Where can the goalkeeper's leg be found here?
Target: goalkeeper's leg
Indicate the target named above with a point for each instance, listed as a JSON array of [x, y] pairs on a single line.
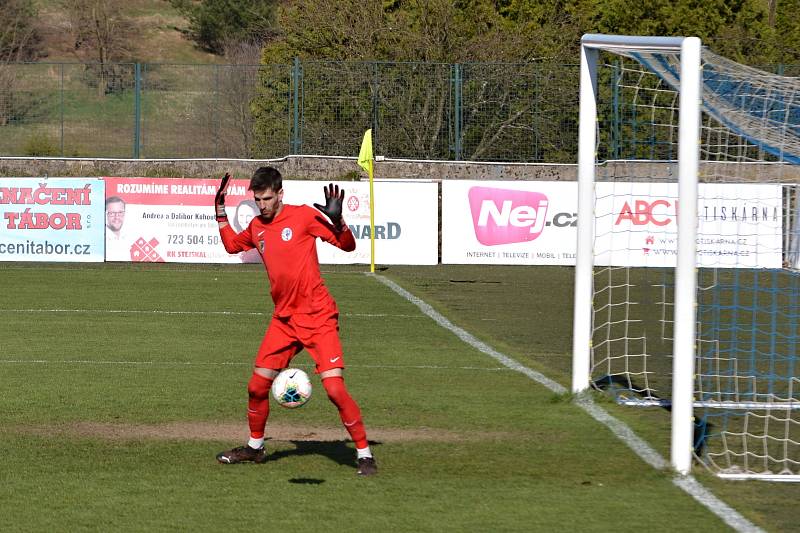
[[353, 423], [257, 414], [348, 409], [276, 351], [258, 407], [320, 336]]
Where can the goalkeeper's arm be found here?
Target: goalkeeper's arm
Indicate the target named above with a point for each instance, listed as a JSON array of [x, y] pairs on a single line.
[[341, 237], [233, 243], [219, 201], [333, 206]]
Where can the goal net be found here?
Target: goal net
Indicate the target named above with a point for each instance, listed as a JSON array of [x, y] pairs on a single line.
[[688, 277]]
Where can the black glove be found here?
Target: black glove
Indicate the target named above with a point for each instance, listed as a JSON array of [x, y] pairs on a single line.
[[333, 205], [219, 199]]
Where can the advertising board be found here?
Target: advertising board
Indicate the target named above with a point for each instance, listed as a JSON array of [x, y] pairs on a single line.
[[51, 219]]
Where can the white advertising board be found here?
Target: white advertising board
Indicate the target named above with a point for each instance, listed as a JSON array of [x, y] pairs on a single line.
[[172, 220], [739, 225], [406, 221], [509, 222], [535, 223], [51, 219]]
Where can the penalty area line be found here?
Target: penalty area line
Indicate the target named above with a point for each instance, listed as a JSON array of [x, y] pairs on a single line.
[[168, 312], [622, 431]]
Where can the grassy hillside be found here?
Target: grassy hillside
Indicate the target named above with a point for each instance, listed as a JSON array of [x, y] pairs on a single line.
[[158, 35]]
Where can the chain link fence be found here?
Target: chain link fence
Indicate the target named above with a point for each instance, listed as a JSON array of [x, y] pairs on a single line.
[[481, 112]]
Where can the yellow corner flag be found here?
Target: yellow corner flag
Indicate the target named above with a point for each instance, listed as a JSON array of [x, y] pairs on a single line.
[[365, 155], [365, 161]]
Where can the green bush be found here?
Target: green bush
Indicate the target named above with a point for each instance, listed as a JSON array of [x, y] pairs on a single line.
[[40, 146]]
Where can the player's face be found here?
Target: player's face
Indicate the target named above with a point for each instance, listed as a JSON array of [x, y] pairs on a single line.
[[115, 216], [269, 203]]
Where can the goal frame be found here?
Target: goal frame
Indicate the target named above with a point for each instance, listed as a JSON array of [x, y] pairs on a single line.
[[690, 98]]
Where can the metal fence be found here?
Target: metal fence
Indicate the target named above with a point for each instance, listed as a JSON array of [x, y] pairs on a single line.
[[484, 112], [498, 112]]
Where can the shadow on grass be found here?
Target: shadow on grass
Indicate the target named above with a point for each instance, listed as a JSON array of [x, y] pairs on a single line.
[[337, 451]]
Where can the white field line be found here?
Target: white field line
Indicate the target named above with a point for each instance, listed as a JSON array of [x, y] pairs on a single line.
[[98, 362], [621, 430], [167, 312]]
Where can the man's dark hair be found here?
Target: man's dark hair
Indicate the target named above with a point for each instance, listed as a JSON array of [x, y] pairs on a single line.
[[266, 178], [114, 199]]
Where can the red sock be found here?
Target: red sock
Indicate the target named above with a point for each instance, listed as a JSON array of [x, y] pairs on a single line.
[[348, 409], [258, 404]]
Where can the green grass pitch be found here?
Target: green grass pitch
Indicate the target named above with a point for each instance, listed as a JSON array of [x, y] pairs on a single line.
[[121, 382]]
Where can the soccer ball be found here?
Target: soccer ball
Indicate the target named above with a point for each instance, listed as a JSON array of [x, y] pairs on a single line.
[[291, 388]]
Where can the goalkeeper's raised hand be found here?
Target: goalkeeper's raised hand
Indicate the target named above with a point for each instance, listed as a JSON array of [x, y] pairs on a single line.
[[333, 205], [219, 199]]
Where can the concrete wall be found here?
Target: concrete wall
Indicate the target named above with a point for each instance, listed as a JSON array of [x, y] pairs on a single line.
[[346, 168], [294, 167]]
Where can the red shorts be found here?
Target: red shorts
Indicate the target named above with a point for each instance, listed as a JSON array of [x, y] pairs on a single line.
[[286, 336]]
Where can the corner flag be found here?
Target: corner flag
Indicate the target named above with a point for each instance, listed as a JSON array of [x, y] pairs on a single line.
[[365, 155], [365, 161]]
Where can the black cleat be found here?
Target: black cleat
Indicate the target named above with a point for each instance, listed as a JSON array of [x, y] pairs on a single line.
[[367, 466], [242, 454]]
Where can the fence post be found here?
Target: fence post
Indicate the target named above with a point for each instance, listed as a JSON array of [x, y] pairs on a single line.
[[457, 111], [217, 112], [62, 109], [616, 130], [375, 102], [297, 75], [536, 97], [137, 109]]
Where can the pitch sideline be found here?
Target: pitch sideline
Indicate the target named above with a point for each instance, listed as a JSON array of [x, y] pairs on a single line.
[[622, 431]]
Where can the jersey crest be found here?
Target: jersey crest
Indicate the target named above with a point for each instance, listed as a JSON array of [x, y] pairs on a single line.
[[261, 245], [286, 234]]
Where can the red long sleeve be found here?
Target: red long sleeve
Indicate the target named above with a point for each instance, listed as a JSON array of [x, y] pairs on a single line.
[[235, 242]]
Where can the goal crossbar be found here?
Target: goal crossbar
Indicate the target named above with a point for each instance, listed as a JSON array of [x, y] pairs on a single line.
[[639, 43]]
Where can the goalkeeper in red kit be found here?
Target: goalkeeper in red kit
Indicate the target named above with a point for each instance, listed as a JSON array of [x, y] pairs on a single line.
[[305, 314]]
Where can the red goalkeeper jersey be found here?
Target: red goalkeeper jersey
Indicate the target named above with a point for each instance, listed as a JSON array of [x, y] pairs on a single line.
[[288, 250]]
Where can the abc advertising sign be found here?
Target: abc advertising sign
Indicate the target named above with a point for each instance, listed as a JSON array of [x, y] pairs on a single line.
[[51, 219], [172, 220], [509, 222], [739, 225]]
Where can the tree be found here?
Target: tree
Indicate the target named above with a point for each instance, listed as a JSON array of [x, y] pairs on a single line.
[[101, 34], [500, 88], [343, 30], [18, 37], [18, 42], [787, 31], [393, 30], [99, 28], [235, 88], [213, 23], [738, 29], [412, 106]]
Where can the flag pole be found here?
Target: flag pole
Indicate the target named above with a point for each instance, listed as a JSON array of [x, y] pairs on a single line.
[[366, 161], [371, 222]]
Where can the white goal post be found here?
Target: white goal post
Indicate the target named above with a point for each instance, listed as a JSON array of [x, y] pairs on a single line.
[[700, 157]]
